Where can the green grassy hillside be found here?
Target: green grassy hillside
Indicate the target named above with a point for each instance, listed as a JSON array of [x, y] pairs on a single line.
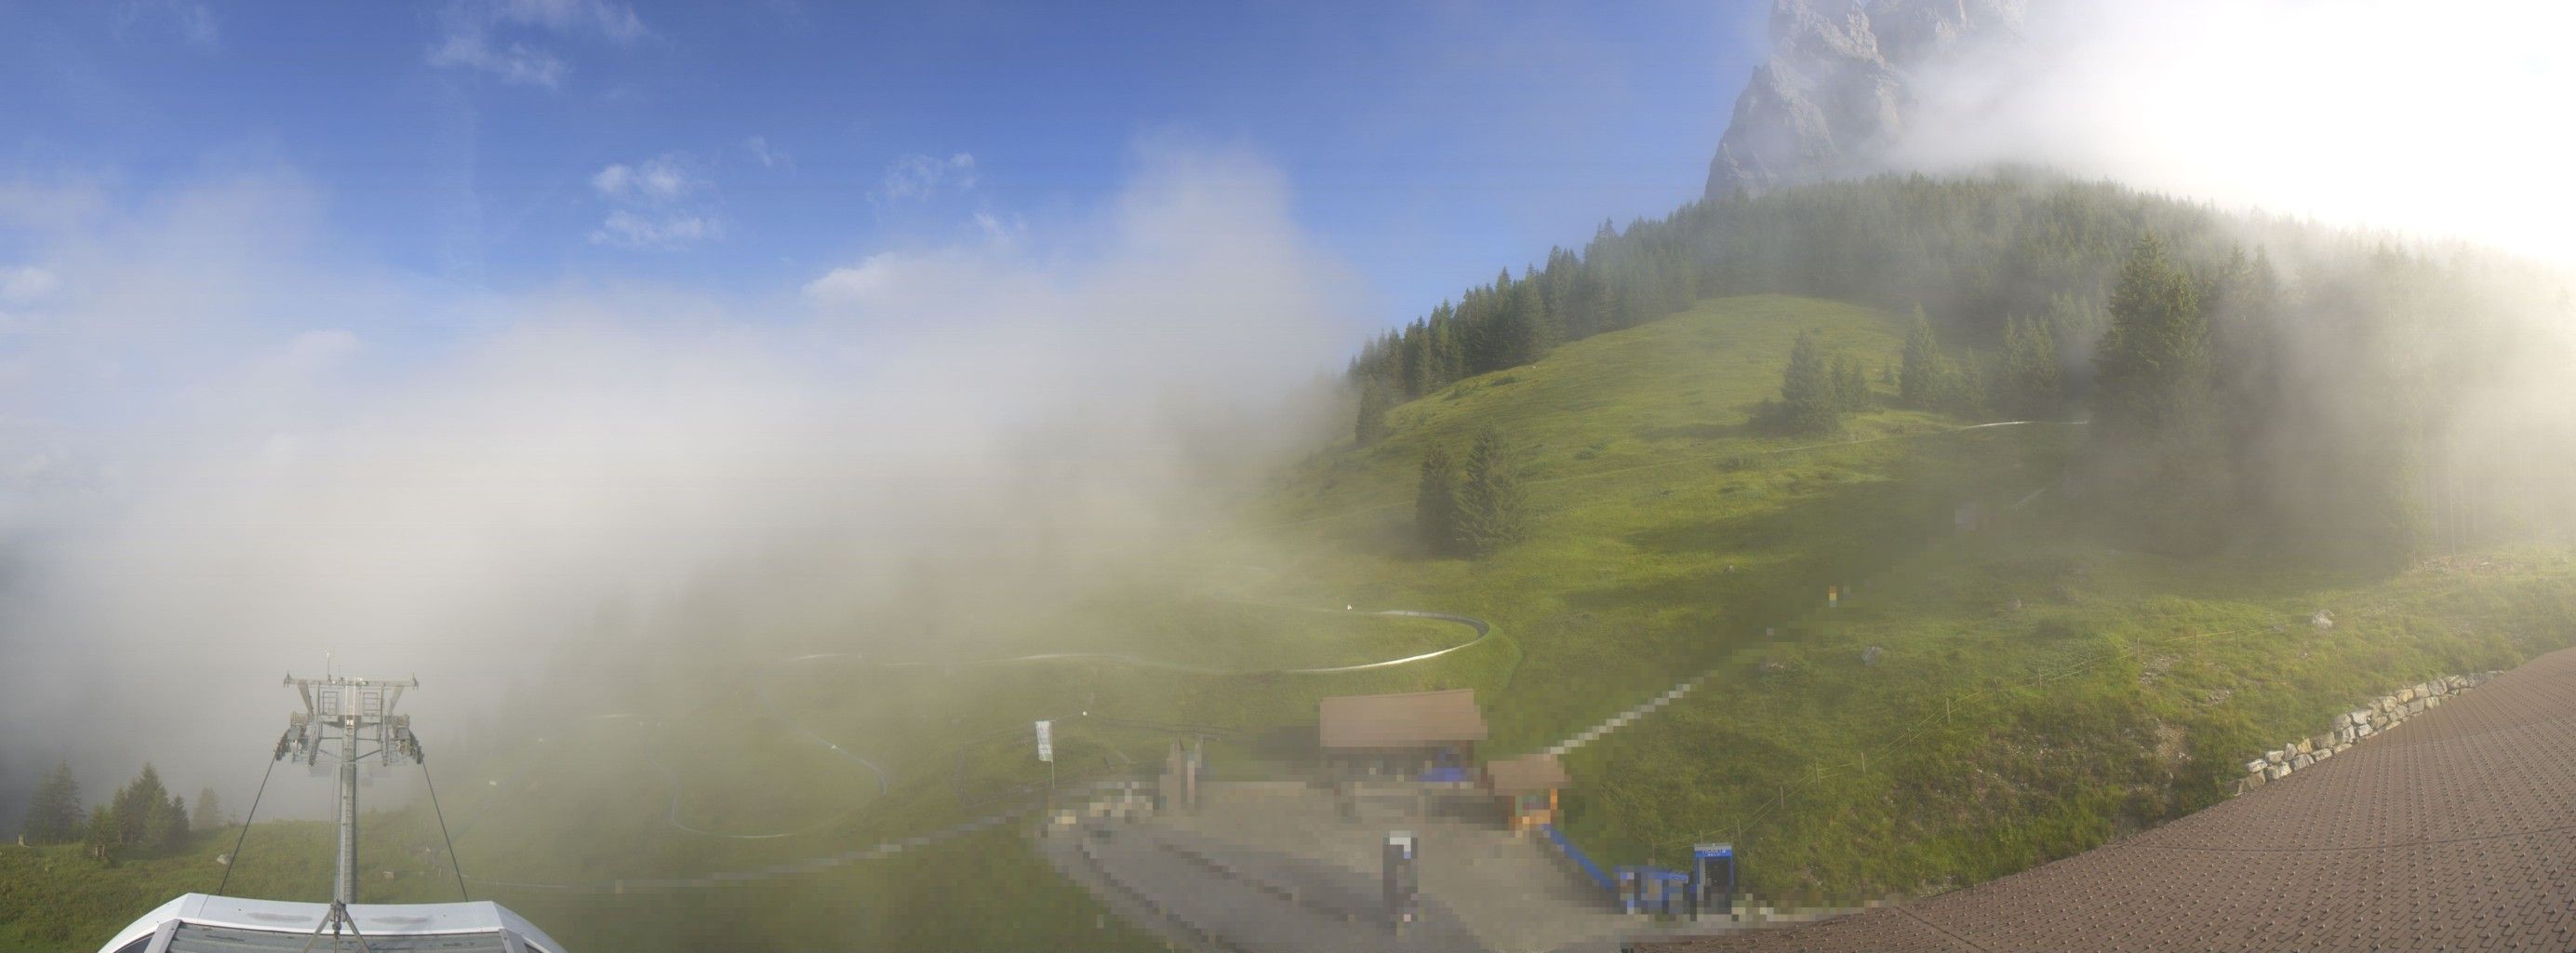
[[2036, 689], [2074, 690], [1666, 531]]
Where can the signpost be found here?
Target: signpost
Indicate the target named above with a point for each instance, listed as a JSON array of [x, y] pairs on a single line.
[[1401, 883], [1046, 753]]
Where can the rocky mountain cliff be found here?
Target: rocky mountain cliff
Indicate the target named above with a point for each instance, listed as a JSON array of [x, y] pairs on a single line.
[[1842, 82]]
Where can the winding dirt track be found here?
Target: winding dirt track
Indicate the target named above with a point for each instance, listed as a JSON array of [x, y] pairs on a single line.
[[2454, 831], [1483, 629]]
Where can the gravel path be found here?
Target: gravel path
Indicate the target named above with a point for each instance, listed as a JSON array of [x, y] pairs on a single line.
[[1512, 893], [1210, 895]]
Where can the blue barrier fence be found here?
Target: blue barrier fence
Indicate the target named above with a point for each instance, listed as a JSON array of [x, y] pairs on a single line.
[[1652, 890], [1574, 853]]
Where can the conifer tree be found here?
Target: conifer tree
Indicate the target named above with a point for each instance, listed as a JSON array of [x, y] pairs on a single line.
[[2152, 366], [1372, 420], [2031, 382], [102, 835], [1919, 381], [53, 810], [1489, 502], [2240, 308], [1587, 309], [1435, 504], [2074, 317], [210, 810], [1851, 387], [1964, 388], [1808, 401], [1413, 365], [1536, 327], [171, 832], [137, 811]]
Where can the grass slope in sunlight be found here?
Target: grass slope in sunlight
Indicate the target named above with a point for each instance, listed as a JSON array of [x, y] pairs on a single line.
[[1670, 539]]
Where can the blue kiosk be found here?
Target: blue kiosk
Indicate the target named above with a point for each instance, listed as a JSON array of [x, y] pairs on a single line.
[[1712, 879]]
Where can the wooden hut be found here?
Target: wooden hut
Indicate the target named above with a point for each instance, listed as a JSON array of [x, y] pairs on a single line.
[[1528, 787], [1412, 734]]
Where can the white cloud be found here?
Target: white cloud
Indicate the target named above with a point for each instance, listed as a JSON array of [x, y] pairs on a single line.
[[997, 231], [859, 284], [644, 210], [219, 475], [615, 22], [314, 351], [192, 22], [895, 283], [630, 229], [515, 63], [659, 179], [768, 156], [2438, 119], [919, 176], [22, 284], [467, 40]]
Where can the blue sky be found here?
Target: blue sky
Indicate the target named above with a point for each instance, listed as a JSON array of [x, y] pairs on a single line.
[[746, 148]]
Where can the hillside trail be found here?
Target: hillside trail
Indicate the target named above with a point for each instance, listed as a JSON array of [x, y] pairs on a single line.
[[1815, 614]]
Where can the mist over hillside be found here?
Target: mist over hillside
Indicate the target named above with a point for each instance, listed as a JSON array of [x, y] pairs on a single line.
[[2073, 334], [2346, 395], [234, 464], [2372, 351], [2409, 118]]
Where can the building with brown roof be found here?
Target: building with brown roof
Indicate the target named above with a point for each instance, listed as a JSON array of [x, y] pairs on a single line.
[[1406, 733], [1528, 786]]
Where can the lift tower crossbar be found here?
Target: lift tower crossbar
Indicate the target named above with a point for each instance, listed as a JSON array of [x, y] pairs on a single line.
[[338, 711]]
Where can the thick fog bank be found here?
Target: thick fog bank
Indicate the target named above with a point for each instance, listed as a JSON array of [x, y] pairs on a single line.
[[231, 448]]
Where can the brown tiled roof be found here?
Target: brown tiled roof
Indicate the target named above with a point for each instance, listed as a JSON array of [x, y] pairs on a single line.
[[1525, 774], [2455, 830], [1409, 720]]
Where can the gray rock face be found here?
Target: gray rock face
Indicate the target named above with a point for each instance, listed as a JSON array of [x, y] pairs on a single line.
[[1840, 84]]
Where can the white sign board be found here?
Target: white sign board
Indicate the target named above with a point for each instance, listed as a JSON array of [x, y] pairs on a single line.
[[1046, 741]]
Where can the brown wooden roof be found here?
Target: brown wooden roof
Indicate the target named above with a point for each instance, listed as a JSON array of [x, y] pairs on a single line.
[[1527, 774], [1409, 720]]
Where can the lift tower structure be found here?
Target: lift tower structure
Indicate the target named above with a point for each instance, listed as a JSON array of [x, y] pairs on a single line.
[[340, 712]]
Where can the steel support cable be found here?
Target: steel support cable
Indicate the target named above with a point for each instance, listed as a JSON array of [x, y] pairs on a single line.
[[245, 827], [453, 862]]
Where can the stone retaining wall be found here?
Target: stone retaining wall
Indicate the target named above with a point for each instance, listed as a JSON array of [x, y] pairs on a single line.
[[2379, 715]]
